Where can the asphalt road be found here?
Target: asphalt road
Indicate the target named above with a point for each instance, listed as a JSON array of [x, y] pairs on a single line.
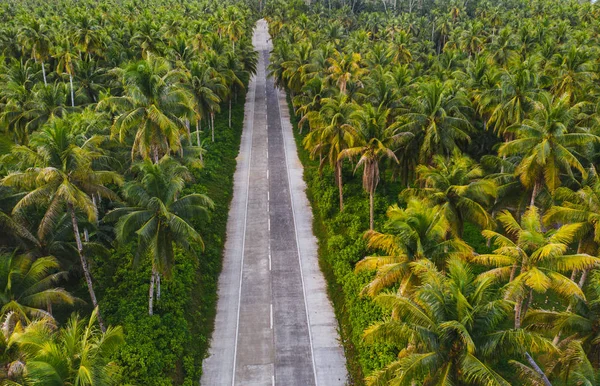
[[274, 324]]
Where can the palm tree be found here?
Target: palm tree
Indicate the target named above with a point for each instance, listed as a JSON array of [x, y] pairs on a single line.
[[376, 140], [65, 59], [548, 144], [581, 322], [154, 105], [458, 189], [580, 207], [514, 97], [450, 331], [27, 285], [61, 175], [158, 217], [331, 133], [436, 121], [345, 68], [37, 38], [205, 86], [411, 234], [532, 259], [77, 354]]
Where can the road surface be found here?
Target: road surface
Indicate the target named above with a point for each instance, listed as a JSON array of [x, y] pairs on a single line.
[[274, 324]]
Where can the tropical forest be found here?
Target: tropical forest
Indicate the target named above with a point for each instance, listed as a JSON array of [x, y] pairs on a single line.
[[153, 214]]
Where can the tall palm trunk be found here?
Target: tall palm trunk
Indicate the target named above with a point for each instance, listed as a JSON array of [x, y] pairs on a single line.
[[84, 264], [338, 175], [534, 194], [518, 308], [538, 370], [371, 210], [212, 125], [198, 127], [44, 73], [230, 113], [151, 291], [72, 92]]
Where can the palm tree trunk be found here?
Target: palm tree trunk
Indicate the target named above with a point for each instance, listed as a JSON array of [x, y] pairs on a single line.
[[534, 194], [155, 154], [537, 369], [230, 113], [157, 286], [198, 127], [338, 174], [212, 125], [371, 210], [513, 272], [151, 292], [84, 264], [72, 93], [583, 278], [44, 73], [518, 308]]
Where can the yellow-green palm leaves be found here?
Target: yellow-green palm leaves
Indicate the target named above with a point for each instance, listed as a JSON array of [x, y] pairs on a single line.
[[28, 285], [411, 234], [78, 354], [548, 144], [457, 187], [450, 331], [533, 259]]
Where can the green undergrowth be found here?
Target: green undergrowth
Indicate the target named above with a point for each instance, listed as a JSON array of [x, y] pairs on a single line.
[[168, 347]]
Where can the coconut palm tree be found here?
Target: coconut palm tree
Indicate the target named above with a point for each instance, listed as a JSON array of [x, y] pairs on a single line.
[[27, 285], [411, 234], [344, 68], [37, 38], [580, 207], [331, 133], [59, 175], [548, 144], [450, 331], [532, 259], [154, 106], [375, 141], [158, 217], [77, 354], [458, 189], [65, 59], [206, 87], [436, 121]]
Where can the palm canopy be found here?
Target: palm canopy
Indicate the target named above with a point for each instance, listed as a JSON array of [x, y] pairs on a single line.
[[549, 144], [59, 170], [376, 140], [458, 188], [77, 354], [580, 322], [158, 216], [154, 106], [436, 120], [581, 206], [27, 285], [411, 234], [450, 331], [533, 259]]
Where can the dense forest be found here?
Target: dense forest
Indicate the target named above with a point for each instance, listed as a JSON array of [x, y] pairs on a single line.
[[120, 124], [450, 151]]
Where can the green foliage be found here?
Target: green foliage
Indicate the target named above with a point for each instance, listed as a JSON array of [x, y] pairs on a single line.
[[169, 346]]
